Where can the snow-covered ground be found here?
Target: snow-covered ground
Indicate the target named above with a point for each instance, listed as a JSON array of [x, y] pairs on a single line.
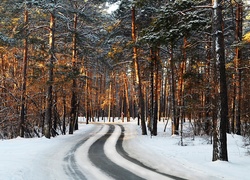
[[41, 158]]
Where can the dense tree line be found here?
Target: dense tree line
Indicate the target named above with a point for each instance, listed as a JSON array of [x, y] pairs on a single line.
[[191, 59], [175, 61], [49, 51]]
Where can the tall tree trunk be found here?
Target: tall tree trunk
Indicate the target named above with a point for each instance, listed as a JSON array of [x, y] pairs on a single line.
[[86, 98], [163, 95], [174, 118], [126, 96], [49, 96], [137, 77], [110, 100], [238, 54], [180, 100], [232, 123], [103, 88], [154, 91], [55, 116], [64, 114], [152, 95], [73, 111], [156, 81], [101, 84], [208, 86], [113, 92], [166, 96], [24, 77], [220, 58]]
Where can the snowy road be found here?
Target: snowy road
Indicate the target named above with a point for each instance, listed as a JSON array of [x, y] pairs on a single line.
[[116, 151], [101, 156], [100, 159]]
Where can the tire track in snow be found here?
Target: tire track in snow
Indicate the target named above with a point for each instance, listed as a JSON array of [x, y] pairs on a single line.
[[111, 152], [100, 159], [72, 168], [124, 154]]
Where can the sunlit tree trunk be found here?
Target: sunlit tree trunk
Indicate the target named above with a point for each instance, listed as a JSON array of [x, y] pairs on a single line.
[[24, 77], [103, 88], [237, 60], [49, 96], [180, 99], [73, 112], [158, 85], [126, 96], [166, 96], [174, 118], [55, 116], [110, 99], [152, 93], [113, 93], [101, 84], [64, 113], [87, 98], [137, 77]]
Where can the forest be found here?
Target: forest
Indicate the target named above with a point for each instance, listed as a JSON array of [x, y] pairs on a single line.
[[160, 60]]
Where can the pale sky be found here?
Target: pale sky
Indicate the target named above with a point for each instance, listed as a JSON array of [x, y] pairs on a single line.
[[112, 7]]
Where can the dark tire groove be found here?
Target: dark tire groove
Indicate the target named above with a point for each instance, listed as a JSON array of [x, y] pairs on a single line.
[[100, 160], [124, 154], [71, 166]]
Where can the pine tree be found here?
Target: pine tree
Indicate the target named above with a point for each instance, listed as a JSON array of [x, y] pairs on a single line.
[[221, 152]]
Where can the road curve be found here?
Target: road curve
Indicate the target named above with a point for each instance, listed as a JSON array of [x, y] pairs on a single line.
[[100, 160], [127, 162], [71, 166], [100, 155], [124, 154]]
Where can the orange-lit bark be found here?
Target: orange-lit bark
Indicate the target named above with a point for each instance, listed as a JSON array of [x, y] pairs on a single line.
[[237, 62], [137, 76], [24, 78], [49, 96], [73, 113]]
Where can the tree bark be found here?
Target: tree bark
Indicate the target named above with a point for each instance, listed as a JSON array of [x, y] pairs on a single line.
[[24, 77], [64, 114], [154, 91], [174, 118], [126, 96], [180, 99], [208, 100], [137, 77], [49, 96], [156, 81], [220, 58], [110, 98], [73, 111], [86, 98], [237, 60]]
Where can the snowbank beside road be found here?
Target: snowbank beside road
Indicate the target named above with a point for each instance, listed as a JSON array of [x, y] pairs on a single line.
[[41, 158]]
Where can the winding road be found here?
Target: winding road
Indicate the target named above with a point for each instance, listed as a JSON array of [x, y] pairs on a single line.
[[100, 155]]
